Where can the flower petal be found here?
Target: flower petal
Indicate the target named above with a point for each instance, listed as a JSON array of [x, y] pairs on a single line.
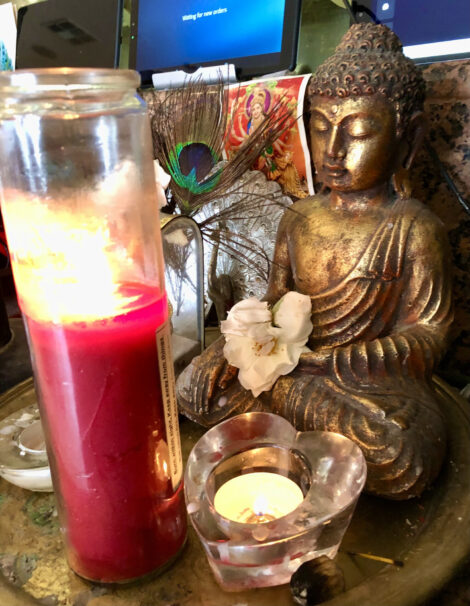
[[292, 315], [260, 350], [161, 176], [244, 314], [162, 180], [261, 334], [256, 384], [239, 351], [263, 371]]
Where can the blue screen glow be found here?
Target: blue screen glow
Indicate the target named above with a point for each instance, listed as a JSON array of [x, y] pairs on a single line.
[[191, 32], [428, 28]]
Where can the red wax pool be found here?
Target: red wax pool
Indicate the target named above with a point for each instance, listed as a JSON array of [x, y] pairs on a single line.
[[102, 410]]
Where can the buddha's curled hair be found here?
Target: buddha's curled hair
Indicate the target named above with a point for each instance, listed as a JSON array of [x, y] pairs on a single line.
[[369, 60]]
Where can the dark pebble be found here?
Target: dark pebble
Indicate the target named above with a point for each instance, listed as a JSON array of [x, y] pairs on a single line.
[[317, 581]]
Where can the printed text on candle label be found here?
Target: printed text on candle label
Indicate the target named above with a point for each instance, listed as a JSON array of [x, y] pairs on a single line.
[[167, 379]]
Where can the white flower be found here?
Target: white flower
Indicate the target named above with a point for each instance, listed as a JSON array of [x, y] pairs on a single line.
[[264, 345], [162, 180]]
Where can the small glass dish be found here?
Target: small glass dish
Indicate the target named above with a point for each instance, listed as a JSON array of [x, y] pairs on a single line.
[[23, 456], [329, 469]]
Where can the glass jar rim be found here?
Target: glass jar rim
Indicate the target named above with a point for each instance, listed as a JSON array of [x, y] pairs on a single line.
[[67, 79]]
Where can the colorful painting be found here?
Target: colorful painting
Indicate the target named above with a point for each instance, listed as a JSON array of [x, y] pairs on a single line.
[[287, 161]]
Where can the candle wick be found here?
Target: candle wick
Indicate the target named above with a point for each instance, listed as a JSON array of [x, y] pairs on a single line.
[[259, 518]]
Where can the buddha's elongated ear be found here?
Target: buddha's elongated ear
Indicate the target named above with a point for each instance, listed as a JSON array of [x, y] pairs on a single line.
[[413, 137], [410, 143]]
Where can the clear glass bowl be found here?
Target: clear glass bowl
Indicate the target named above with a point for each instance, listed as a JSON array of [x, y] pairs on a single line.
[[329, 469], [23, 456]]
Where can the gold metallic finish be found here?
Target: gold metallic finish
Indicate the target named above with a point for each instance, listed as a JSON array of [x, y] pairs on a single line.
[[375, 264]]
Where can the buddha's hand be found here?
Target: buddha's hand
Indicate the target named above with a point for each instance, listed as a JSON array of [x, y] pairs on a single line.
[[213, 373], [315, 362]]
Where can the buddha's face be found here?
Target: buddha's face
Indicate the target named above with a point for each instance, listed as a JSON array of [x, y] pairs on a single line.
[[354, 142]]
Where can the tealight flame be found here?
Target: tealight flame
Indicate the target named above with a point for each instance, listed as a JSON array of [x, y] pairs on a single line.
[[257, 497], [260, 506]]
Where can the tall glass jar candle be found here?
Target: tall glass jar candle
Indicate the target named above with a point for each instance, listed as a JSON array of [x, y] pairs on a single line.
[[78, 199]]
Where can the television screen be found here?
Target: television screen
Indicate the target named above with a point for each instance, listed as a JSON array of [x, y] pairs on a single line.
[[258, 36], [68, 33]]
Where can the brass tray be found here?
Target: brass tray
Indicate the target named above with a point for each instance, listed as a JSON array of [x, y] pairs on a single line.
[[430, 535]]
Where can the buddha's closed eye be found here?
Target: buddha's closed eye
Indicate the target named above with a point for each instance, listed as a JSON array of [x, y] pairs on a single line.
[[361, 127], [320, 123], [357, 127]]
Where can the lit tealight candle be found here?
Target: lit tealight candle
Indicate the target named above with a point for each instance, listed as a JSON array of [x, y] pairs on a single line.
[[257, 497]]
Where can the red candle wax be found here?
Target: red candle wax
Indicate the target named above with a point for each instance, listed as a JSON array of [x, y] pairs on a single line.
[[102, 409]]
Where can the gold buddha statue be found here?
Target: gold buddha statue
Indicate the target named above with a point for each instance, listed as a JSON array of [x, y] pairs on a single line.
[[375, 264]]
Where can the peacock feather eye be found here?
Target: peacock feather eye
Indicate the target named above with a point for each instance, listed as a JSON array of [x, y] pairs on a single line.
[[190, 127], [191, 164]]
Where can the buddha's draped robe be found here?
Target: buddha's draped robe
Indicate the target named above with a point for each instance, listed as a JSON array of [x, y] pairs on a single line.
[[385, 326]]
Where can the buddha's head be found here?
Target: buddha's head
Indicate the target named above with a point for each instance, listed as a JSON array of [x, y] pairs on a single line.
[[366, 104]]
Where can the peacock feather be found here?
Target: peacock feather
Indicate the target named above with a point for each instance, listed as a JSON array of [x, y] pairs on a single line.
[[190, 127], [190, 163]]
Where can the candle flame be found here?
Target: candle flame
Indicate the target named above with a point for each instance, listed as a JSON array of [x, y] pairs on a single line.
[[66, 265], [260, 506], [257, 497]]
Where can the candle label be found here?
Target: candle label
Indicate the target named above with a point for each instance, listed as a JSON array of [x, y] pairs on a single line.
[[170, 409]]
